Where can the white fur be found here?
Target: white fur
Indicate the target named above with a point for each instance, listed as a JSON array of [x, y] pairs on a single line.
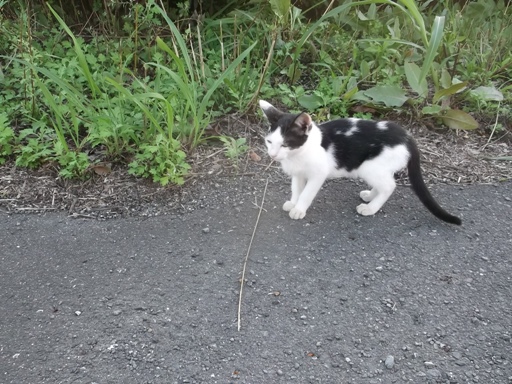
[[265, 105], [310, 165], [382, 125], [351, 131]]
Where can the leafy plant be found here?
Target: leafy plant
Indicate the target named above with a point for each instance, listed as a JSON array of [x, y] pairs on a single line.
[[73, 164], [6, 138], [193, 106], [234, 148], [123, 95], [33, 148], [163, 161]]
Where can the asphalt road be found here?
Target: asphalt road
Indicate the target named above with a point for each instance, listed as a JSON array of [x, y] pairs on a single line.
[[335, 298]]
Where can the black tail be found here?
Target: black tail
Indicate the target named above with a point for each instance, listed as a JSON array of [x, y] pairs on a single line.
[[419, 187]]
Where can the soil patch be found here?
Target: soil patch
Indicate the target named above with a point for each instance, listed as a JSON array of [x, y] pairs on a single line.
[[448, 157]]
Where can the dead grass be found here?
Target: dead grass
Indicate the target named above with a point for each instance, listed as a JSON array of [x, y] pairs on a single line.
[[449, 157]]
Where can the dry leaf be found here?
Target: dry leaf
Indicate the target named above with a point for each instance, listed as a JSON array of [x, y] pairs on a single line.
[[254, 156], [101, 170], [363, 109]]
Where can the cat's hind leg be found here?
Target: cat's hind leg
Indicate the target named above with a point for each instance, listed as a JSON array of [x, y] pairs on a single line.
[[380, 193]]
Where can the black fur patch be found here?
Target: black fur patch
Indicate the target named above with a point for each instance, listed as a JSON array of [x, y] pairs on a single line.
[[366, 143]]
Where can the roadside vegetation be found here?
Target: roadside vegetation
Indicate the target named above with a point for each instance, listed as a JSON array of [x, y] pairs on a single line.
[[136, 84]]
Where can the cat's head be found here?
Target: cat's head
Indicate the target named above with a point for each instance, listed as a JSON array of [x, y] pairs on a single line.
[[287, 133]]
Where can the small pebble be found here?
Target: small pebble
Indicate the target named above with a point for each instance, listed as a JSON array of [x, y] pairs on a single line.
[[390, 362], [434, 373], [206, 230]]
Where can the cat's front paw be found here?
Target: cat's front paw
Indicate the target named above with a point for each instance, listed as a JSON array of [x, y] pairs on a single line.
[[366, 196], [365, 210], [296, 214], [288, 206]]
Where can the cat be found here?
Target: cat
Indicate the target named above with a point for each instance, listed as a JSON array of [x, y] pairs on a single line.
[[351, 147]]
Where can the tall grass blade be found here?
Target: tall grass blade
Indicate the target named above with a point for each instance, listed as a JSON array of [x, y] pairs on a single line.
[[410, 5], [136, 100], [417, 16], [181, 42], [231, 68], [59, 118], [80, 55], [436, 37]]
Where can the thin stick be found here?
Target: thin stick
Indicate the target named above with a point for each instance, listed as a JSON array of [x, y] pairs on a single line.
[[247, 256], [35, 209], [265, 68], [271, 162], [493, 128], [200, 50], [328, 7]]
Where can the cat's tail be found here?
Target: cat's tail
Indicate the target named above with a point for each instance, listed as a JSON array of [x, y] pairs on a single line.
[[421, 190]]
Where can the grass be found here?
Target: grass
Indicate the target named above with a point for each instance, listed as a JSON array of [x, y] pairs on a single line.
[[140, 91]]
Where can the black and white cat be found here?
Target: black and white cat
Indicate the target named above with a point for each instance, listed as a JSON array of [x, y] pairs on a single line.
[[372, 151]]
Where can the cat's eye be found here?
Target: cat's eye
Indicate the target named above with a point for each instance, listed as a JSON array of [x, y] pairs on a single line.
[[284, 146], [268, 141]]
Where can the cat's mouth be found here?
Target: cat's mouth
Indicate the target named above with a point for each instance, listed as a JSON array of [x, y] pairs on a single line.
[[277, 158]]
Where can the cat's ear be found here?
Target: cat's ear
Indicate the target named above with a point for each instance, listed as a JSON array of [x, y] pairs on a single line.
[[303, 123], [273, 114]]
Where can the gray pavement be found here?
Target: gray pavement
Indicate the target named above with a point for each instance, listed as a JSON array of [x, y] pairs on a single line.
[[335, 298]]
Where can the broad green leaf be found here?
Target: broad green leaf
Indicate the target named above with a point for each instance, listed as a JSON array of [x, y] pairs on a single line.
[[487, 94], [432, 110], [457, 119], [360, 96], [446, 79], [449, 91], [361, 15], [365, 69], [390, 95], [350, 93], [412, 72], [310, 102], [281, 8], [372, 11]]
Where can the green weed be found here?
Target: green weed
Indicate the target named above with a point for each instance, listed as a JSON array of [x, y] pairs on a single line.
[[234, 148], [6, 138], [142, 84], [163, 161]]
